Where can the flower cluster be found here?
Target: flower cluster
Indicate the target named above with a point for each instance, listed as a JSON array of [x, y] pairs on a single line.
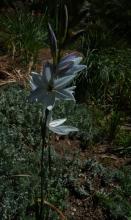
[[53, 84]]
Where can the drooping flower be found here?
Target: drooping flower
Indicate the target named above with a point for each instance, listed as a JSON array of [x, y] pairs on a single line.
[[56, 126], [70, 64]]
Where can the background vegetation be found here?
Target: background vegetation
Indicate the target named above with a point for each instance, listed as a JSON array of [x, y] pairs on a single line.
[[98, 170]]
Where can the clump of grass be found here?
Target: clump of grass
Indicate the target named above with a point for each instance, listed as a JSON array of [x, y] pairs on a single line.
[[23, 33]]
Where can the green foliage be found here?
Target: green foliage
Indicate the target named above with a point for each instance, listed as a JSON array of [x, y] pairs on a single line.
[[117, 201], [108, 188], [5, 3], [123, 138], [115, 14], [20, 166], [24, 33], [114, 124], [107, 84], [54, 190], [108, 78], [122, 143], [106, 23], [111, 17], [20, 157], [113, 188], [118, 207], [88, 119], [96, 37], [16, 149]]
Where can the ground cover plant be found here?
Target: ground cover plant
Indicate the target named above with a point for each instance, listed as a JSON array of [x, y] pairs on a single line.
[[49, 170]]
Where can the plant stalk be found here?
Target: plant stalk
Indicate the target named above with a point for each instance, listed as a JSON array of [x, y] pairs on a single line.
[[43, 134], [49, 160]]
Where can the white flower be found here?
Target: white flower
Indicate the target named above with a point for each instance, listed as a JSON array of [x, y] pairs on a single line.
[[57, 127], [46, 89], [52, 84]]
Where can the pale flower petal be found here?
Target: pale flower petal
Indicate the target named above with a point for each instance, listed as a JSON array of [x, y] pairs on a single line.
[[48, 74], [50, 107], [57, 127], [63, 82], [75, 69], [53, 40], [63, 130], [64, 67], [36, 78], [57, 122], [65, 94], [74, 57], [32, 85]]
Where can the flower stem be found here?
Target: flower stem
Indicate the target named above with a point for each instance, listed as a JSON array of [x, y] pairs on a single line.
[[43, 134], [49, 160]]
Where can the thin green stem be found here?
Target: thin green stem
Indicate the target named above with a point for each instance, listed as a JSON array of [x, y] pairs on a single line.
[[49, 159], [43, 134]]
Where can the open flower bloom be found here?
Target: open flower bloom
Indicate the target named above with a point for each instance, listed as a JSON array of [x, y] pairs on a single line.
[[46, 88], [57, 127]]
